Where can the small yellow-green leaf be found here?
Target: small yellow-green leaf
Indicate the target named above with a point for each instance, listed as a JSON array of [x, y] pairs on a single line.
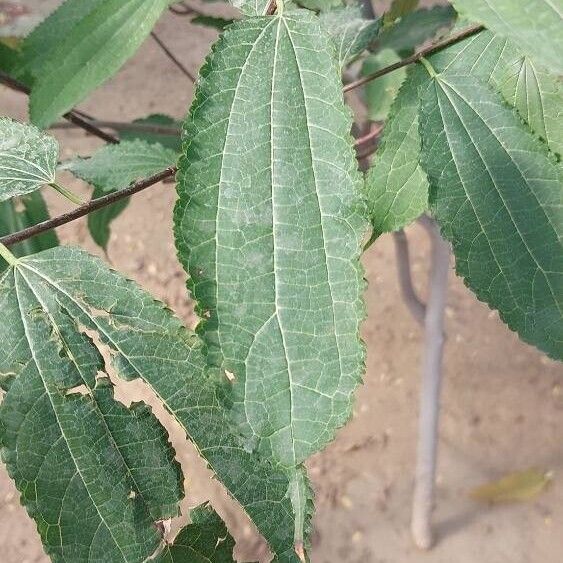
[[518, 486]]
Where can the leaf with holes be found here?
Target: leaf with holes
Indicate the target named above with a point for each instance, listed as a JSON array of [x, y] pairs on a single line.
[[205, 540], [60, 307], [536, 26], [28, 158], [498, 197], [92, 51], [270, 225]]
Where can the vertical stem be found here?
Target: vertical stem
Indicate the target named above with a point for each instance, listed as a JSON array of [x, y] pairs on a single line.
[[427, 448]]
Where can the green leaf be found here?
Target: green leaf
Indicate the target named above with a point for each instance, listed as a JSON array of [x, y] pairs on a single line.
[[115, 167], [18, 214], [351, 32], [212, 21], [99, 222], [39, 44], [144, 341], [269, 225], [415, 28], [497, 196], [251, 7], [92, 51], [94, 474], [205, 540], [538, 97], [171, 142], [399, 9], [28, 158], [320, 5], [380, 93], [396, 185], [534, 25]]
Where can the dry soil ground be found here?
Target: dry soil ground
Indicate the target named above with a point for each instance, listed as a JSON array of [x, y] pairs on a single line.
[[502, 402]]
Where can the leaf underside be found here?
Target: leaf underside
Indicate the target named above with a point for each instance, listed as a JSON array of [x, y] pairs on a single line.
[[28, 158], [269, 225], [534, 25], [64, 296], [497, 195]]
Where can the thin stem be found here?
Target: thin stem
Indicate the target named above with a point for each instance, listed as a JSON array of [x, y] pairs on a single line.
[[402, 256], [72, 197], [429, 68], [71, 116], [173, 57], [7, 255], [434, 339], [456, 38], [124, 126], [87, 208]]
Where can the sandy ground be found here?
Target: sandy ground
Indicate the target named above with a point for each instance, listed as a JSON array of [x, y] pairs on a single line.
[[502, 402]]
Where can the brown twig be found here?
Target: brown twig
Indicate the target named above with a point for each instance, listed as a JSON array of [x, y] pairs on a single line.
[[124, 126], [73, 116], [87, 208], [456, 38], [173, 57]]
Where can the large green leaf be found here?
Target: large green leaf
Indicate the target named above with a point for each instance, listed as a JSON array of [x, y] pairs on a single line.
[[92, 51], [350, 31], [251, 7], [498, 197], [396, 185], [205, 540], [28, 158], [145, 341], [23, 212], [269, 225], [115, 167], [536, 26], [39, 44]]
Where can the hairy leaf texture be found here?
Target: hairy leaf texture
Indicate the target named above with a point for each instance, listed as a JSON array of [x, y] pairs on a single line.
[[269, 225], [28, 158], [93, 474], [534, 25], [92, 51], [497, 195]]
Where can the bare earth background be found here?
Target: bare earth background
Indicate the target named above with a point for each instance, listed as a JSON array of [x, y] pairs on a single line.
[[502, 401]]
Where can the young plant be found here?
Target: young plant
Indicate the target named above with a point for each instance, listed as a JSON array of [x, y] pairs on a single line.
[[270, 222]]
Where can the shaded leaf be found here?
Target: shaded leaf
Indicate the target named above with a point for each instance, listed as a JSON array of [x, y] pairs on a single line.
[[92, 51], [212, 21], [320, 5], [497, 196], [534, 25], [398, 9], [272, 245], [380, 93], [205, 540], [171, 142], [145, 341], [115, 167], [415, 28], [99, 222], [396, 185], [351, 32], [28, 158], [518, 486], [18, 214]]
